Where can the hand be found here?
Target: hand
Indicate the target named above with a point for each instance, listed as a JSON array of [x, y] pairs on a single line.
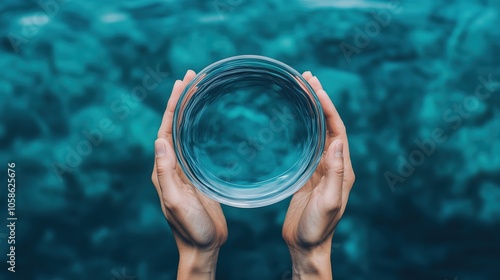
[[317, 207], [197, 222]]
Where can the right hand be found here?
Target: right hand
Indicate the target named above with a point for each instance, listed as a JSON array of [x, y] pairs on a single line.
[[317, 207]]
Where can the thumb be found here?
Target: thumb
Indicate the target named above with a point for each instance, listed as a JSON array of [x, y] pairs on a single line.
[[165, 159], [166, 163], [335, 165]]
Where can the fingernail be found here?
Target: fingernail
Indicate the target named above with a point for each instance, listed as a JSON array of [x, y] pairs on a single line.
[[338, 149], [308, 73], [315, 79], [160, 149], [177, 83]]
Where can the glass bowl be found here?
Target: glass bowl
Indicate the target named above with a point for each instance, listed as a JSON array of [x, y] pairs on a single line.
[[248, 131]]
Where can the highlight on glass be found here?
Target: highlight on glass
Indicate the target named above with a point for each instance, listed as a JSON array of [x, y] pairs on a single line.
[[248, 131]]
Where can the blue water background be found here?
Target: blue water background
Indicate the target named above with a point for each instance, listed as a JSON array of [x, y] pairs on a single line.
[[399, 72]]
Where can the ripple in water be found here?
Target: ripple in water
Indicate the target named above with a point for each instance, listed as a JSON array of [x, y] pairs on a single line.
[[248, 131]]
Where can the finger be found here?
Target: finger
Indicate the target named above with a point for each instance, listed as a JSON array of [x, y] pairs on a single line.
[[189, 76], [307, 75], [334, 165], [315, 84], [334, 123], [166, 124], [336, 130], [165, 171], [333, 120]]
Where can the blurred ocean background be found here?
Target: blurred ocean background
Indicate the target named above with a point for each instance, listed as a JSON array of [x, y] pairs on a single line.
[[417, 84]]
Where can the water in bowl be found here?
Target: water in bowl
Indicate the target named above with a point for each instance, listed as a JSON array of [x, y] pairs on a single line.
[[247, 131]]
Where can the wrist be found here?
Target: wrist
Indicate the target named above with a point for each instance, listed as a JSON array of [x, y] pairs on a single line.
[[311, 263], [197, 264]]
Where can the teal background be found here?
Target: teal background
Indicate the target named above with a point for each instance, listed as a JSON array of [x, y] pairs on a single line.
[[427, 70]]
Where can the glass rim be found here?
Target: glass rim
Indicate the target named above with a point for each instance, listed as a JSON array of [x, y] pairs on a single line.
[[245, 198]]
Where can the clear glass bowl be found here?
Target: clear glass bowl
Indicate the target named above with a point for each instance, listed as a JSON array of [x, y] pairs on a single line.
[[248, 131]]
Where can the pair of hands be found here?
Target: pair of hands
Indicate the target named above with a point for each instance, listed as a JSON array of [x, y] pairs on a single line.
[[199, 225]]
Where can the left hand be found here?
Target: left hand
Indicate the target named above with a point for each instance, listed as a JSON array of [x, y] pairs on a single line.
[[197, 222]]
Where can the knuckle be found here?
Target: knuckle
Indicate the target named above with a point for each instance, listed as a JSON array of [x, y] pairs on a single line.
[[339, 170], [160, 169], [223, 238], [284, 236], [154, 177], [287, 236]]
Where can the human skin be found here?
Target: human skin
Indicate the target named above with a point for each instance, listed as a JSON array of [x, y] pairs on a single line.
[[199, 226], [317, 207], [197, 222]]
